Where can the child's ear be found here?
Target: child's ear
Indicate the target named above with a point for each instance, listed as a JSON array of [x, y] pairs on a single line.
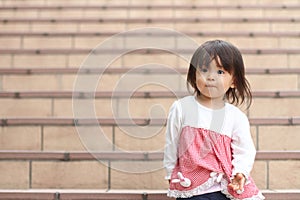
[[232, 85]]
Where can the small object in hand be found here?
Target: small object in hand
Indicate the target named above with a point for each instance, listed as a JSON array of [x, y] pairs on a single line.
[[240, 191]]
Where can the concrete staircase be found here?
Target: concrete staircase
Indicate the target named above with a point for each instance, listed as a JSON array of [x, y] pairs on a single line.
[[50, 147]]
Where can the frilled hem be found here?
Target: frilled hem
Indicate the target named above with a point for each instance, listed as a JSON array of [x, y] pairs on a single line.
[[202, 188], [189, 193]]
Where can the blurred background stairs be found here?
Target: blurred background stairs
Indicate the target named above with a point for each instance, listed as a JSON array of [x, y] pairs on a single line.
[[48, 132]]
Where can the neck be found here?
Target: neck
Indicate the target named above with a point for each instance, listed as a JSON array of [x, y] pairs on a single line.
[[211, 103]]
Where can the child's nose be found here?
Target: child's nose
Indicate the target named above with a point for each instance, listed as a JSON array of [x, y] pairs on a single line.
[[210, 76]]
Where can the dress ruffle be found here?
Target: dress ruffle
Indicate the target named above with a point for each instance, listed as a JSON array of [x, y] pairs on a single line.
[[209, 183], [196, 191]]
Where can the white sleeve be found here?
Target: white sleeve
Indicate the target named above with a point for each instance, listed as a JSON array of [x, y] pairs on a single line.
[[173, 130], [243, 149]]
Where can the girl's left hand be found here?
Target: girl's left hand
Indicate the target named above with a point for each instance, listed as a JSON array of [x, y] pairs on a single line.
[[238, 182]]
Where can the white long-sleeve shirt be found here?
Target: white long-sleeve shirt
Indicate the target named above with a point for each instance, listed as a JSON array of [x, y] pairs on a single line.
[[228, 121]]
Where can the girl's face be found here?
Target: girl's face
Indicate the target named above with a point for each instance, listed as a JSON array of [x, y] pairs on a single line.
[[213, 81]]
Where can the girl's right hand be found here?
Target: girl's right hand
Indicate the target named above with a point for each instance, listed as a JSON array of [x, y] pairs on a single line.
[[238, 182]]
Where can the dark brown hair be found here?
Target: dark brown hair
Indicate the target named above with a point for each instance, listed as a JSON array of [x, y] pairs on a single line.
[[231, 60]]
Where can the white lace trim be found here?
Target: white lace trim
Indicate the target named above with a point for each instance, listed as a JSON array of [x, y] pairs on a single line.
[[196, 191], [205, 186]]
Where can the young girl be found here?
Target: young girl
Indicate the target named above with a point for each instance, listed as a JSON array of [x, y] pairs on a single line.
[[209, 152]]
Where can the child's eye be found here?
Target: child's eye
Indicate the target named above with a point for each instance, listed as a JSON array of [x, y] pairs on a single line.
[[203, 70], [221, 72]]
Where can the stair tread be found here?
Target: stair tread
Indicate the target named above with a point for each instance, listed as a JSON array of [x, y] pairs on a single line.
[[86, 33], [119, 70], [114, 155], [119, 194]]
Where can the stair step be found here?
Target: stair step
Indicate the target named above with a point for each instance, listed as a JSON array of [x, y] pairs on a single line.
[[86, 51], [121, 70], [279, 6], [128, 94], [153, 20], [118, 194], [87, 33], [123, 121], [118, 156]]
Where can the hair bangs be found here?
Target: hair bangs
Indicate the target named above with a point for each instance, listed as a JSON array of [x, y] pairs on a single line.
[[202, 59]]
